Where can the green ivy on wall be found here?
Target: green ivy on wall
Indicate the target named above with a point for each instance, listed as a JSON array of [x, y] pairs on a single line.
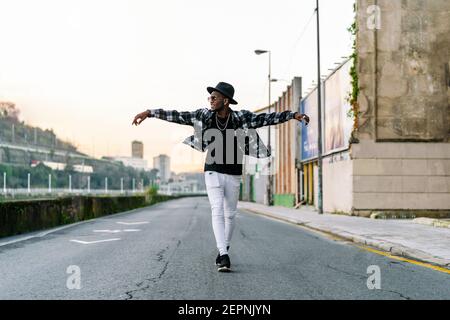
[[353, 95]]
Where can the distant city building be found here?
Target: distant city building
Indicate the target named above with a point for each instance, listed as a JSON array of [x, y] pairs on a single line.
[[137, 149], [184, 187], [199, 177], [136, 163], [162, 163]]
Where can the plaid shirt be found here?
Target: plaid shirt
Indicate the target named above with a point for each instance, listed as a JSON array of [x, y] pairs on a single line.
[[201, 120]]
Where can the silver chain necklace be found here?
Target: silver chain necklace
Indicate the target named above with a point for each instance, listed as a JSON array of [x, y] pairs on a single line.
[[226, 123]]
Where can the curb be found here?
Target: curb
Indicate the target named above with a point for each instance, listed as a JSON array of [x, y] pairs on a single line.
[[392, 248], [437, 223]]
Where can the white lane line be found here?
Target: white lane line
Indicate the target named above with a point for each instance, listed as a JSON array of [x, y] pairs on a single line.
[[108, 231], [117, 231], [132, 223], [92, 242]]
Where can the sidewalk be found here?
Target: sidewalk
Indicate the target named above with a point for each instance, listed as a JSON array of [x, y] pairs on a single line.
[[399, 237]]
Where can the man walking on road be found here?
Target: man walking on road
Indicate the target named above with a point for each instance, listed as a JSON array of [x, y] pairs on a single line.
[[226, 135]]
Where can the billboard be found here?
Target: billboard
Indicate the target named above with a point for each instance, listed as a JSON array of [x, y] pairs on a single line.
[[337, 125], [309, 133]]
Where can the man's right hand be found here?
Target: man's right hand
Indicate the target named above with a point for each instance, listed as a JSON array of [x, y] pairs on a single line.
[[141, 117]]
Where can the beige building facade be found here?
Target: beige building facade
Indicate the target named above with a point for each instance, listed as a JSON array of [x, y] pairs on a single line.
[[402, 159], [137, 149]]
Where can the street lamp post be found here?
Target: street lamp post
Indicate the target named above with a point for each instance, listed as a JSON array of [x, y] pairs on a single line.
[[319, 120], [269, 187]]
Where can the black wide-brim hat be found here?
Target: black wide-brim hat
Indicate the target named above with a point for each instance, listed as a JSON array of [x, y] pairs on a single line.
[[224, 88]]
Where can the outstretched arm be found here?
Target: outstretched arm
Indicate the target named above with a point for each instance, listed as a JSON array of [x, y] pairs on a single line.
[[269, 119], [185, 117]]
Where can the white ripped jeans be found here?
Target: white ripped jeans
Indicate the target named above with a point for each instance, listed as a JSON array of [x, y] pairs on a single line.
[[223, 194]]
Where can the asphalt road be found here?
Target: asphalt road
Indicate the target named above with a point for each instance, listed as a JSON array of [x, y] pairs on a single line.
[[167, 251]]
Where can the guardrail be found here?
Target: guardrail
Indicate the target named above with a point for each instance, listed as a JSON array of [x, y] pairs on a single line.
[[58, 192], [22, 193]]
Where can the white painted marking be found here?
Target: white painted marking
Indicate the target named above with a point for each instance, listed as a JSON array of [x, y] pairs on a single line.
[[132, 223], [108, 231], [92, 242], [32, 235], [117, 231]]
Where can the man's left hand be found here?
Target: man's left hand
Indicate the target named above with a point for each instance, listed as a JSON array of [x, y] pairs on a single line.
[[300, 117]]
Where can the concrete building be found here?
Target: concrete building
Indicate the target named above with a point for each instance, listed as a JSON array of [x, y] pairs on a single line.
[[162, 163], [137, 157], [402, 158], [136, 163], [137, 149], [287, 191], [286, 188]]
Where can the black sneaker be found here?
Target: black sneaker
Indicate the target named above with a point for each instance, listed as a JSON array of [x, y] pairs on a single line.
[[224, 264], [218, 257]]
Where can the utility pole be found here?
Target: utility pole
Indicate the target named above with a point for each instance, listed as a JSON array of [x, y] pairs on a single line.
[[319, 102], [269, 145]]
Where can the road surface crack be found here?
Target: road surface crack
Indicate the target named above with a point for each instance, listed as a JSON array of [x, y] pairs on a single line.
[[160, 256], [347, 273], [401, 295]]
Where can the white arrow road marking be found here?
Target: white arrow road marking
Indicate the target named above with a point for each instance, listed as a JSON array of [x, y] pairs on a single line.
[[91, 242], [132, 223]]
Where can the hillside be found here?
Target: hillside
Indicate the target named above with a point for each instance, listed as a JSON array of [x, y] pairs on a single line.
[[17, 132]]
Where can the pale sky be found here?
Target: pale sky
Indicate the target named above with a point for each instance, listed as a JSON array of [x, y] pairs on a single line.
[[86, 68]]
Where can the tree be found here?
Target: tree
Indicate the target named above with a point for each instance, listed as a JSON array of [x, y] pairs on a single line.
[[8, 109]]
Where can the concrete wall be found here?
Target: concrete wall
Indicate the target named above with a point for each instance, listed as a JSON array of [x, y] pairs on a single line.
[[338, 183], [316, 183], [393, 176], [403, 70], [402, 160], [260, 185]]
